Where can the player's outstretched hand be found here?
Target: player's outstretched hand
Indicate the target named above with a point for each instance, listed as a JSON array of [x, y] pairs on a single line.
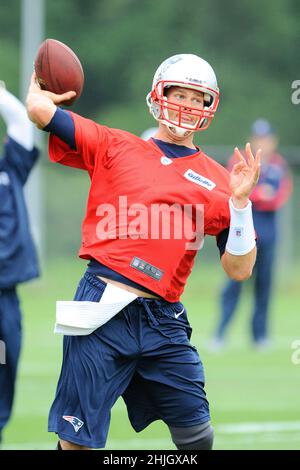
[[244, 176]]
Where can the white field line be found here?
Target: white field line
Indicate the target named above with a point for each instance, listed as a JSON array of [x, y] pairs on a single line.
[[250, 428], [245, 429]]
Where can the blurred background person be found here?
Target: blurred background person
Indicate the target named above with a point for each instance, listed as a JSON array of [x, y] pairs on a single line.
[[18, 258], [271, 193]]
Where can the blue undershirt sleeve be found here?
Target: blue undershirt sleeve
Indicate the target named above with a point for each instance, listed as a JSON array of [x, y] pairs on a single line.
[[222, 240], [62, 125]]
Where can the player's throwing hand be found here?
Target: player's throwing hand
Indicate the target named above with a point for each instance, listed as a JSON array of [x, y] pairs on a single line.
[[55, 98], [45, 101]]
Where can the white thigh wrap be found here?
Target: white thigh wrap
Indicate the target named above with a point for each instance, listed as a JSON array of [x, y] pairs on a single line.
[[241, 238], [83, 317]]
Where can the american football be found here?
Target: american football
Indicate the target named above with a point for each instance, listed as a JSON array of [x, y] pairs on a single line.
[[58, 69]]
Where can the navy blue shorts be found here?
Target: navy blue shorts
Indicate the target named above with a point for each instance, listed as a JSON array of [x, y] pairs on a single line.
[[143, 354]]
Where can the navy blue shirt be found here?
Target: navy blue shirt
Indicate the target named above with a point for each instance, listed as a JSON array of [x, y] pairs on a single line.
[[265, 224], [18, 258]]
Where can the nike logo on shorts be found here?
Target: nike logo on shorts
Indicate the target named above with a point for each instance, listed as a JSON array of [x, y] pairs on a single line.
[[176, 315]]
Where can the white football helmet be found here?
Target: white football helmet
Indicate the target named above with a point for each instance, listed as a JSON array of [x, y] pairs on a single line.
[[187, 71]]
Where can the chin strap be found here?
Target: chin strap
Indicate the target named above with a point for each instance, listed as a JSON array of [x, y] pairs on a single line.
[[178, 131]]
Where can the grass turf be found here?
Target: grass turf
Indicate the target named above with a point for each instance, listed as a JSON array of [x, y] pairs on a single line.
[[243, 385]]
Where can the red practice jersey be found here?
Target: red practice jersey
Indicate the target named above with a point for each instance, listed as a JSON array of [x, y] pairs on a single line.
[[143, 208]]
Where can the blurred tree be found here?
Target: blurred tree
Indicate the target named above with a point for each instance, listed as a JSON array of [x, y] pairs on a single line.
[[252, 45]]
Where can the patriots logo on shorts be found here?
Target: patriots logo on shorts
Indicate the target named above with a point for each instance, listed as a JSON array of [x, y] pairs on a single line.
[[76, 422]]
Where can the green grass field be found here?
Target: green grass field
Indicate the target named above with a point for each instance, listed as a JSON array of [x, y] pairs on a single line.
[[254, 396]]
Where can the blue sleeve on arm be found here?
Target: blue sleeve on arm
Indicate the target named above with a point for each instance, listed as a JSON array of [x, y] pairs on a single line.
[[62, 126], [18, 159]]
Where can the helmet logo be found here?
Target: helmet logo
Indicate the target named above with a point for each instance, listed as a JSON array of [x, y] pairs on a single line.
[[165, 65], [194, 80]]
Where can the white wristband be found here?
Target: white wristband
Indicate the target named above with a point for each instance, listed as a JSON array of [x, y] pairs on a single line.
[[241, 238]]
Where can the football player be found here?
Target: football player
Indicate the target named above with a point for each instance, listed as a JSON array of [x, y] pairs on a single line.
[[268, 197], [144, 353], [18, 258]]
